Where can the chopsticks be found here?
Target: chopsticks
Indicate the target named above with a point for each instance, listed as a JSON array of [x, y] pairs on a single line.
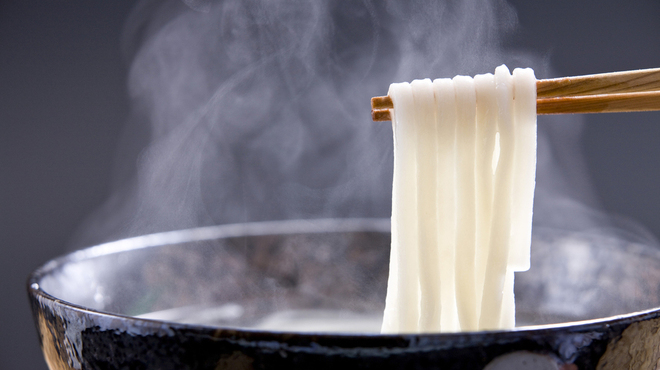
[[628, 91]]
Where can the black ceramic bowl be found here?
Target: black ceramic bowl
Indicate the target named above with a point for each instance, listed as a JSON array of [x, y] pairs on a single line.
[[310, 294]]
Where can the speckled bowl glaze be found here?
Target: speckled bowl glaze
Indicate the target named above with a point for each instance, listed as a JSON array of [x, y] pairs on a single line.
[[206, 298]]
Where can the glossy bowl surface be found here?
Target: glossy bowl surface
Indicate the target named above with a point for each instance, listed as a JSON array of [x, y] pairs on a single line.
[[309, 294]]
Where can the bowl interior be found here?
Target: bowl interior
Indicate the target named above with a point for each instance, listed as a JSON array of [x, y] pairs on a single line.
[[331, 276]]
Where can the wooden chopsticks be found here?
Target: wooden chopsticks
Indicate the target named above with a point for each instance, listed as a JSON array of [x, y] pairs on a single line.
[[629, 91]]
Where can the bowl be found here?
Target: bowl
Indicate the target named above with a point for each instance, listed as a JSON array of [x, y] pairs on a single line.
[[309, 294]]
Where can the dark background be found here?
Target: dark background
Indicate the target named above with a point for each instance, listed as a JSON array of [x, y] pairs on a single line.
[[63, 105]]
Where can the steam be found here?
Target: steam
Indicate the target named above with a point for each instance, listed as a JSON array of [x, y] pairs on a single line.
[[259, 110]]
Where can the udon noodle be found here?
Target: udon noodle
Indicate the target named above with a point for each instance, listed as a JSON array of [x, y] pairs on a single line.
[[463, 187]]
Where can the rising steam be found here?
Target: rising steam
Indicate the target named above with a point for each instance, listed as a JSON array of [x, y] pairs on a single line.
[[259, 110]]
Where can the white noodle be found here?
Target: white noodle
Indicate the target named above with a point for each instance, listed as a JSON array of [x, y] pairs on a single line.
[[486, 140], [401, 305], [498, 256], [464, 169], [445, 100], [466, 218], [525, 166], [429, 275]]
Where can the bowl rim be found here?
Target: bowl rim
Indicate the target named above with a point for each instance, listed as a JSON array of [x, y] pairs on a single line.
[[286, 227]]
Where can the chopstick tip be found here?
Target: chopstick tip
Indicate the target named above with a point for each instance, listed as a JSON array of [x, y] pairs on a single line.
[[381, 115], [381, 102]]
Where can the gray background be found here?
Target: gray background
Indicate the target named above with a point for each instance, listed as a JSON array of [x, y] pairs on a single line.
[[63, 105]]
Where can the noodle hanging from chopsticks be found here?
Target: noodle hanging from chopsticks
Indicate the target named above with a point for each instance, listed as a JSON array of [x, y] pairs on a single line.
[[463, 186]]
